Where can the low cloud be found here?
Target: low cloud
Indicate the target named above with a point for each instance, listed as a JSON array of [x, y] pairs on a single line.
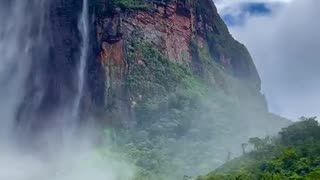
[[225, 4], [285, 46]]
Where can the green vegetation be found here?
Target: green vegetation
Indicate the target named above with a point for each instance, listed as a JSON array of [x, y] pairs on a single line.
[[161, 88], [137, 4], [294, 155], [186, 123], [130, 4], [221, 43]]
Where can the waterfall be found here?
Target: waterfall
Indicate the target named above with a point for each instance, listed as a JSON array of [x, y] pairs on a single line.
[[20, 34], [38, 51], [83, 26], [38, 74]]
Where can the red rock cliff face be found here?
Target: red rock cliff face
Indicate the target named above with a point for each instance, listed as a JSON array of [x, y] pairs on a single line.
[[166, 27], [172, 28]]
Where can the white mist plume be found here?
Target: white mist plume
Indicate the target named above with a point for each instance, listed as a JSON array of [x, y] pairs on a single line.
[[14, 61], [75, 160]]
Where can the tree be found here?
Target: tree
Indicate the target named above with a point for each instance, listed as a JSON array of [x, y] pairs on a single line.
[[256, 142], [243, 146]]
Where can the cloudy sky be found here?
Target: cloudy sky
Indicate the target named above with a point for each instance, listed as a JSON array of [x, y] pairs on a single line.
[[283, 37]]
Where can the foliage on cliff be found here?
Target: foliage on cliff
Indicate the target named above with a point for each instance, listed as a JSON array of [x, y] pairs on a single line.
[[294, 155], [161, 89], [221, 43], [186, 123], [161, 63]]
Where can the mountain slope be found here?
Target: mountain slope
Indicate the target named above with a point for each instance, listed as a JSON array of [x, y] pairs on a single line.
[[292, 155]]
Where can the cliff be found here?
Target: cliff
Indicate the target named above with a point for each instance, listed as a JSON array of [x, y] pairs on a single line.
[[188, 34]]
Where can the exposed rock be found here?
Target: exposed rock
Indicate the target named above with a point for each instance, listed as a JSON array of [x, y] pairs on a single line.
[[176, 29]]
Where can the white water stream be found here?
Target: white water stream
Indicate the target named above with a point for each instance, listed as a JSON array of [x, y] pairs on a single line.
[[83, 26]]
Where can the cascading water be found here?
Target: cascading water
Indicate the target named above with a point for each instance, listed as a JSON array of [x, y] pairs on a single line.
[[33, 74], [20, 34], [32, 70], [83, 26]]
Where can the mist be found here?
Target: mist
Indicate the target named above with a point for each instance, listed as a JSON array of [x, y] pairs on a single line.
[[285, 47], [75, 158]]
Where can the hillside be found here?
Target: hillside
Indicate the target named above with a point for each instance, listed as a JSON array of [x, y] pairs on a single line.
[[294, 154]]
